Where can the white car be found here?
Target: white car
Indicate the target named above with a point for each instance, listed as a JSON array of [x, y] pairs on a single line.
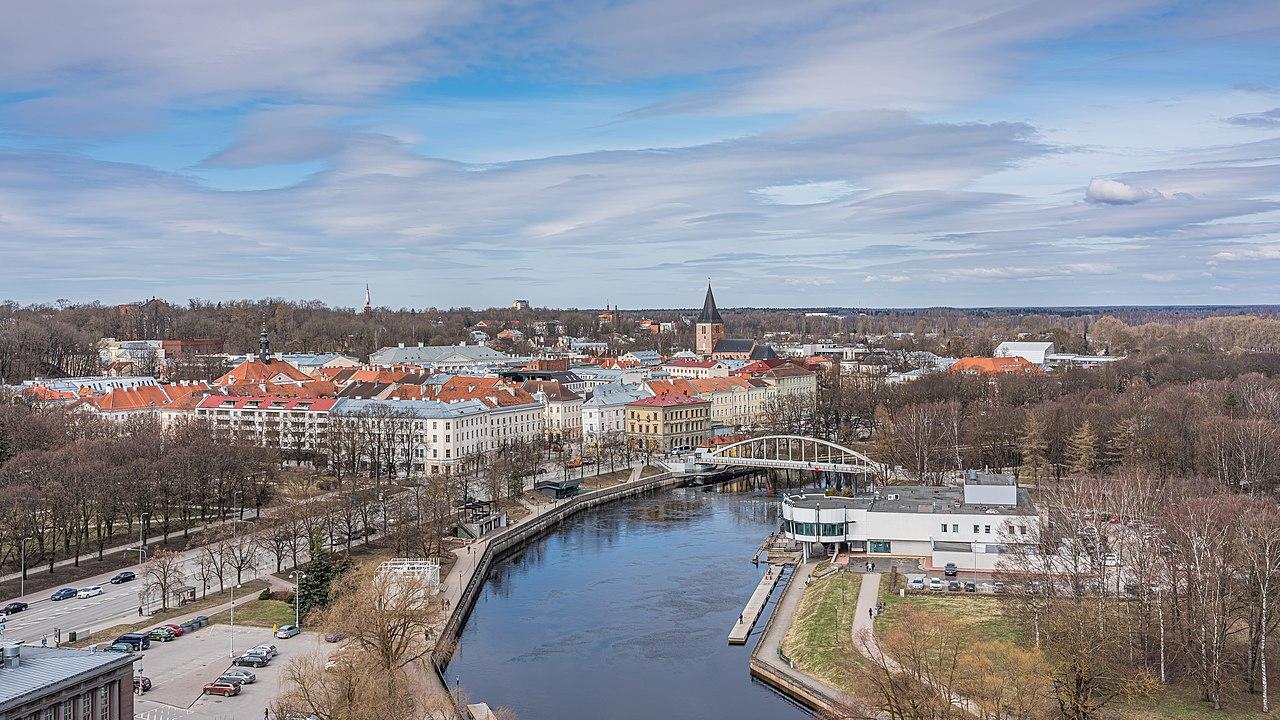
[[265, 649], [88, 592], [935, 583]]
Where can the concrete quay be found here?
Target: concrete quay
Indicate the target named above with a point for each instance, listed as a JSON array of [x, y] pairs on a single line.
[[755, 605]]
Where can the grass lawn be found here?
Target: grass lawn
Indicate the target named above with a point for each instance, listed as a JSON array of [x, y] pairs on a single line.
[[819, 640], [982, 613], [1183, 703], [259, 613]]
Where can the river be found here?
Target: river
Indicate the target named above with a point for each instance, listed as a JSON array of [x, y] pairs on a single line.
[[622, 613]]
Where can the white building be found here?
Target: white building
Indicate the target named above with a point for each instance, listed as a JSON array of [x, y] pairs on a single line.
[[970, 526], [606, 410], [1033, 352], [426, 436], [444, 358]]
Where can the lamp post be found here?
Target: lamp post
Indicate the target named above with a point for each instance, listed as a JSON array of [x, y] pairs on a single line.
[[231, 637], [297, 597], [22, 583], [142, 540]]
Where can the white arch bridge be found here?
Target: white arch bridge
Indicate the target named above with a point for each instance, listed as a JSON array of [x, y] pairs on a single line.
[[790, 452]]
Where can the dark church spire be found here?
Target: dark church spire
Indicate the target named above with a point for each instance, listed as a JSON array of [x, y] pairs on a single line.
[[264, 344], [709, 312]]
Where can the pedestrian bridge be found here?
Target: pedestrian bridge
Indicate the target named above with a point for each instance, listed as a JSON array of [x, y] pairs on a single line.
[[790, 452]]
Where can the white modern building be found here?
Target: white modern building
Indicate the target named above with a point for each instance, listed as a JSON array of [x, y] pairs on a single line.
[[970, 525], [606, 410], [1033, 352], [443, 358]]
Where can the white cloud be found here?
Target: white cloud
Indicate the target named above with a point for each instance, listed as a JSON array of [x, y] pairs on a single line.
[[811, 193], [1114, 192]]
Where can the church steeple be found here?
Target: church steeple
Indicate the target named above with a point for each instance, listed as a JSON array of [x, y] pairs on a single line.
[[368, 300], [264, 344], [709, 312]]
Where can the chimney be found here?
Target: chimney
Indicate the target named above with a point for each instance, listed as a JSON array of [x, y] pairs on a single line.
[[12, 654]]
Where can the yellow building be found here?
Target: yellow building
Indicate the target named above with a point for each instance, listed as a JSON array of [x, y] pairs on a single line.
[[663, 422]]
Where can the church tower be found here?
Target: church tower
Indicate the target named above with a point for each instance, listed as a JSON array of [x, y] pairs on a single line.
[[368, 301], [709, 328], [264, 344]]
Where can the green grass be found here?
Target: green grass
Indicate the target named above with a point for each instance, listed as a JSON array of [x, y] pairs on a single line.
[[259, 613], [820, 640]]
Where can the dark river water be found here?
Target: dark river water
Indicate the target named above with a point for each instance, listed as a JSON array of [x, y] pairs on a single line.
[[622, 613]]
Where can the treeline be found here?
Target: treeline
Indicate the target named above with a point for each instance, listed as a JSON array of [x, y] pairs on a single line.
[[74, 484]]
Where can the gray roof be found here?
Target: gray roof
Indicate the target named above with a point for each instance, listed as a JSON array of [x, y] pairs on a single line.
[[42, 670], [615, 394], [430, 409], [709, 312], [916, 499], [437, 355], [735, 345]]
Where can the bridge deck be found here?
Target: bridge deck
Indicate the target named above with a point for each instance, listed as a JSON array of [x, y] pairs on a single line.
[[755, 606]]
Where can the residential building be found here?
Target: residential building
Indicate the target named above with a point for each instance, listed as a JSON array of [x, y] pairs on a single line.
[[685, 368], [312, 363], [44, 683], [663, 422], [605, 410], [641, 358], [297, 427], [735, 401], [515, 415], [519, 305], [708, 329], [1065, 360], [443, 358], [417, 436], [1033, 352], [971, 525], [561, 409]]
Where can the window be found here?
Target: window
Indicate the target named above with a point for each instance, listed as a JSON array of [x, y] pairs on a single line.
[[944, 527], [879, 546], [1022, 529], [987, 529], [975, 529], [955, 527]]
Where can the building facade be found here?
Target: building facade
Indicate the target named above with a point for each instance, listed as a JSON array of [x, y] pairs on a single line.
[[44, 683], [663, 422]]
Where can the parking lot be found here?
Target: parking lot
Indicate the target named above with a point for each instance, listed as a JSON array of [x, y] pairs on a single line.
[[179, 669]]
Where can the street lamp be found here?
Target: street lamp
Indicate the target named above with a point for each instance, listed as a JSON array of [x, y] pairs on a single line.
[[22, 583], [297, 597], [142, 540], [231, 637]]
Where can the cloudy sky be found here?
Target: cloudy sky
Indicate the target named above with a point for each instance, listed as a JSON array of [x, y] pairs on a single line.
[[802, 153]]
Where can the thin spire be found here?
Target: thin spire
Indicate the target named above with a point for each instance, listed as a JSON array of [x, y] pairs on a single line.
[[264, 344], [709, 312]]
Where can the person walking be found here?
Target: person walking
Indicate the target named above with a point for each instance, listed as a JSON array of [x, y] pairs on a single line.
[[139, 611], [871, 613]]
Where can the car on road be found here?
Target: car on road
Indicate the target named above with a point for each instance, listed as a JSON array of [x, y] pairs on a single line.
[[266, 649], [950, 570], [63, 594], [248, 660], [88, 592], [233, 679], [138, 641], [935, 583], [247, 676], [163, 634], [917, 583], [141, 682], [13, 608], [971, 586], [284, 632], [177, 629], [953, 586], [123, 576], [224, 689]]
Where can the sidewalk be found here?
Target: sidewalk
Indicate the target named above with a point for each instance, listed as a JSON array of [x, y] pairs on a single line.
[[768, 651]]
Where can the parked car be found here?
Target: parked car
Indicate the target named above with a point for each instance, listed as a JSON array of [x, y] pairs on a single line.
[[971, 586], [245, 675], [118, 647], [935, 583], [224, 689], [138, 641], [201, 620], [141, 682], [917, 583], [1111, 560], [123, 576], [248, 660], [333, 637], [233, 679], [953, 586], [175, 629], [88, 592], [162, 634], [950, 570], [63, 594], [266, 648], [13, 607], [998, 586], [284, 632]]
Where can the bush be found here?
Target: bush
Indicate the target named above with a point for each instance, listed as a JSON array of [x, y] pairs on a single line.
[[265, 594]]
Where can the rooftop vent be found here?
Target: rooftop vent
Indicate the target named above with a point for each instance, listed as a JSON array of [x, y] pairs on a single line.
[[12, 654]]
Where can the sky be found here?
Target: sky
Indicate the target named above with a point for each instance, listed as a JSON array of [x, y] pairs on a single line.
[[806, 154]]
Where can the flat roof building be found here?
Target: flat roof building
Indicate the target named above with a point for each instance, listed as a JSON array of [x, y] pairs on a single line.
[[43, 682]]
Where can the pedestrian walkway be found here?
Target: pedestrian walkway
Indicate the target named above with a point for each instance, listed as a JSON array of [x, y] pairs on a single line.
[[755, 605], [863, 618], [769, 650]]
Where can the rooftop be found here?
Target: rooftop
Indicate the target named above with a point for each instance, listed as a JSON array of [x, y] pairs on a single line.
[[42, 670], [668, 400], [941, 500]]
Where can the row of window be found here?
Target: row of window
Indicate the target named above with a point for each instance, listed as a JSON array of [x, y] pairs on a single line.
[[985, 529], [96, 704]]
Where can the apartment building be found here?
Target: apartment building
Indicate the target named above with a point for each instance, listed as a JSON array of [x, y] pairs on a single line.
[[663, 422]]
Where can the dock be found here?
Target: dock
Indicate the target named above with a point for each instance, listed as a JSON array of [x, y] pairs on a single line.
[[755, 606]]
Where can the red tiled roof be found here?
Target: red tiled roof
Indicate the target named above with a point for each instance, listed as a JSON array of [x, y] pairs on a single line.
[[667, 400], [994, 366], [255, 371], [267, 401]]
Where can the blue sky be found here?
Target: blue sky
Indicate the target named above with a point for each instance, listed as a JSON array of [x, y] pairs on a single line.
[[799, 154]]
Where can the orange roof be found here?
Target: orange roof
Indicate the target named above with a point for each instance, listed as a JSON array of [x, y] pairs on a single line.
[[256, 371], [134, 398], [377, 375], [699, 386], [314, 389], [493, 392], [994, 366], [668, 400], [41, 393]]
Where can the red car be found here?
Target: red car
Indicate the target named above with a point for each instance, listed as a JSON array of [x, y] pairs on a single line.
[[177, 629], [225, 689]]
